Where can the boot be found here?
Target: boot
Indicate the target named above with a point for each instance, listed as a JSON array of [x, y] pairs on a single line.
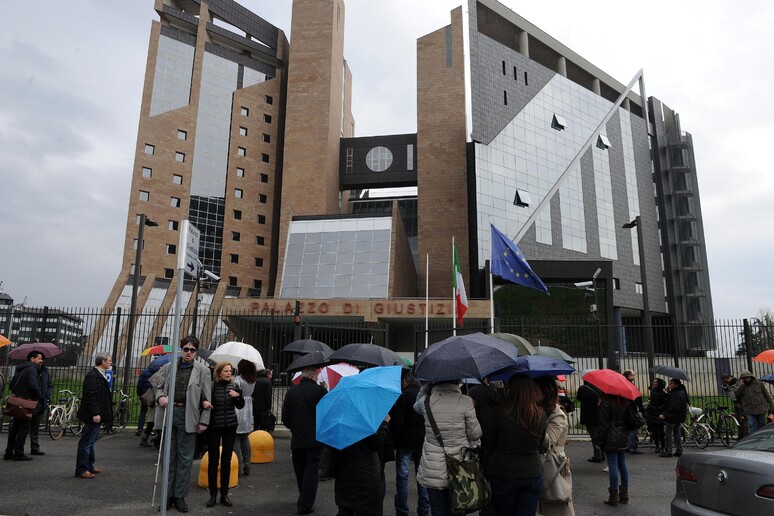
[[623, 494], [144, 441], [213, 499], [225, 500], [613, 500]]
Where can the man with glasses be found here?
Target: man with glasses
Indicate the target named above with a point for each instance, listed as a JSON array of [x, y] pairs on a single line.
[[96, 410], [191, 415]]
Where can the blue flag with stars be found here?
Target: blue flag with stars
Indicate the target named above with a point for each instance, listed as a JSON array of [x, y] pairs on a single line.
[[510, 264]]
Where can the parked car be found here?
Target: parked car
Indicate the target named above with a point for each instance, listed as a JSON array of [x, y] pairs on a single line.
[[739, 480]]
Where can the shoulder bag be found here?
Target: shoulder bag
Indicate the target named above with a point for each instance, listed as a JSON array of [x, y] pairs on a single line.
[[18, 407], [469, 491], [557, 481]]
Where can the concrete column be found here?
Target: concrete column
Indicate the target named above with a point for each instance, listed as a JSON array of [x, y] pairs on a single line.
[[625, 105], [561, 66], [595, 87], [524, 43]]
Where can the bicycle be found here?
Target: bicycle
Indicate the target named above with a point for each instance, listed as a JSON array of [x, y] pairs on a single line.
[[64, 416], [720, 422], [697, 431], [120, 417]]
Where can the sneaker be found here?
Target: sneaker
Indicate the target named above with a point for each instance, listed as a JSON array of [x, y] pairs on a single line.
[[606, 469]]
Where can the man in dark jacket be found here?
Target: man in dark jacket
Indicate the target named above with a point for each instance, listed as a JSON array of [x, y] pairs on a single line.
[[25, 385], [633, 434], [96, 410], [590, 398], [675, 410], [299, 414], [262, 398], [755, 399], [485, 399], [46, 388], [408, 432], [729, 383]]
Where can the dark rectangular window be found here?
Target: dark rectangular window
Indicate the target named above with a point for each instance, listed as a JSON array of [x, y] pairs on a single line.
[[265, 158], [264, 178], [238, 214], [257, 284], [515, 74], [261, 219], [267, 118], [505, 97], [269, 99], [259, 262], [526, 81], [235, 236], [262, 198], [232, 281], [503, 67], [266, 138], [234, 258], [171, 249], [259, 240], [169, 273]]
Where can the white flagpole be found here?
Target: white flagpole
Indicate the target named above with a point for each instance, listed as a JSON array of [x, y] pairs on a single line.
[[454, 294], [491, 299], [427, 300]]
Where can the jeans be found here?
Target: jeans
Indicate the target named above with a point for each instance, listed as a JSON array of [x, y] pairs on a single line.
[[616, 462], [439, 502], [402, 458], [673, 436], [516, 496], [84, 459], [306, 462], [755, 421], [633, 443], [143, 412], [216, 437], [244, 452]]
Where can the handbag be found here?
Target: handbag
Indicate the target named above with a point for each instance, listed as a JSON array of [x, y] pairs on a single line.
[[268, 421], [633, 417], [557, 480], [20, 408], [149, 397], [469, 491]]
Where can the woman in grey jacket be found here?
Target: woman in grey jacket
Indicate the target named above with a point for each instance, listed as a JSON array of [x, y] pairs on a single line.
[[456, 419]]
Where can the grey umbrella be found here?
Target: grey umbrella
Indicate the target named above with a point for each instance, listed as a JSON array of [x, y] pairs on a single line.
[[367, 355], [551, 352], [306, 346], [671, 372], [464, 356], [313, 359], [525, 348]]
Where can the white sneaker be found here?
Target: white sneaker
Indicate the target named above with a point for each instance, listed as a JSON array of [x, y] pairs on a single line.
[[605, 469]]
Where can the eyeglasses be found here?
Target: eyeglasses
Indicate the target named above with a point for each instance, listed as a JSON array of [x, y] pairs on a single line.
[[189, 350]]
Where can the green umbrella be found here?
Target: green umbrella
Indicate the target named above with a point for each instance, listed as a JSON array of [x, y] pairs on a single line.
[[406, 361], [548, 351], [525, 348]]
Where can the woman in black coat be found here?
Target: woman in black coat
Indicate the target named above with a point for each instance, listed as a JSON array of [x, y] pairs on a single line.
[[656, 404], [359, 476], [226, 398], [613, 437]]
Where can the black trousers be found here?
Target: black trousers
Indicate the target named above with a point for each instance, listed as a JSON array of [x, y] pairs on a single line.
[[217, 437], [17, 435], [306, 463]]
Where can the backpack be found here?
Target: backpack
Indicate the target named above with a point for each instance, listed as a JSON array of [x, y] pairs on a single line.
[[633, 418]]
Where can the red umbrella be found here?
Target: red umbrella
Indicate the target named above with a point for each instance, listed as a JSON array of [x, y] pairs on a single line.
[[611, 382], [767, 356], [47, 348], [331, 374]]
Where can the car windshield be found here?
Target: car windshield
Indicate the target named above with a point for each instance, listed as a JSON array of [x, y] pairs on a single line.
[[762, 440]]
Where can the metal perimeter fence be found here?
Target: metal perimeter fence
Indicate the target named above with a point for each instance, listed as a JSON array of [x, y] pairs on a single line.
[[704, 351]]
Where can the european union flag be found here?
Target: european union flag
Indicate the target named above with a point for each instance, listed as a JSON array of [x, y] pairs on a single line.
[[510, 264]]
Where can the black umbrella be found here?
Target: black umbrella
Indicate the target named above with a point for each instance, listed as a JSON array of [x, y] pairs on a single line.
[[313, 359], [367, 355], [671, 372], [306, 346], [464, 356]]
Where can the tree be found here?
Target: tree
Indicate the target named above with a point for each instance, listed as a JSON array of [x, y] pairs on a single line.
[[761, 333]]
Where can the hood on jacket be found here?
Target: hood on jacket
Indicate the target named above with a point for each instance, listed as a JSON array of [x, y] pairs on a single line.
[[745, 374]]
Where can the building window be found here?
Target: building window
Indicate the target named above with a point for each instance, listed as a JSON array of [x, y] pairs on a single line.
[[177, 179], [526, 81], [169, 273], [264, 178], [261, 219], [240, 172], [602, 142], [503, 67], [173, 225], [150, 149], [238, 193], [257, 284], [135, 244], [259, 262], [269, 99], [235, 236], [267, 118], [522, 199], [171, 249], [182, 135], [243, 131], [241, 151], [558, 122], [234, 258], [515, 74], [266, 138], [147, 172], [505, 97], [144, 196], [265, 158], [262, 198], [244, 111], [174, 202], [638, 288], [232, 281], [179, 157], [259, 240], [237, 214]]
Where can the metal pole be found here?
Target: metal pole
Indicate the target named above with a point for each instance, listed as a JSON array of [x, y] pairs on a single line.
[[747, 343], [133, 305], [600, 359], [116, 336], [196, 304], [647, 323]]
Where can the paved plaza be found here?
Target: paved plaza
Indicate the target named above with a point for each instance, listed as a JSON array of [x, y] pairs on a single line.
[[47, 486]]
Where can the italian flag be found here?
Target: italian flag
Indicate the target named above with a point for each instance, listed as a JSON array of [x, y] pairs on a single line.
[[459, 288]]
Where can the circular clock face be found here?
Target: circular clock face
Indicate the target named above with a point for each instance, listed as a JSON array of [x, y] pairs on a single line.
[[379, 159]]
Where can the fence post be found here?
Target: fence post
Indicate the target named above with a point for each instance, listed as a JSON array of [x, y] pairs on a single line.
[[675, 341], [115, 348], [747, 343]]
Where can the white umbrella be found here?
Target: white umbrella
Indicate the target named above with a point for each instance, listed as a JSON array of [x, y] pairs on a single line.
[[233, 352]]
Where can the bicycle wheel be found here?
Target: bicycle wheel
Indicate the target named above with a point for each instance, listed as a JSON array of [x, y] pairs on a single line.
[[727, 429], [700, 435], [56, 427], [75, 424], [643, 435], [123, 415]]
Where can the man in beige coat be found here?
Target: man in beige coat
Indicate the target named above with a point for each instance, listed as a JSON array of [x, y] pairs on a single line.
[[191, 415]]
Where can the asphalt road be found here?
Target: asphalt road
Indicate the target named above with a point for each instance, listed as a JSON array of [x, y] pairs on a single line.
[[47, 486]]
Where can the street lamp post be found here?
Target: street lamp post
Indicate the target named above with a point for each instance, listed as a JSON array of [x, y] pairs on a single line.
[[647, 325], [144, 221], [600, 360]]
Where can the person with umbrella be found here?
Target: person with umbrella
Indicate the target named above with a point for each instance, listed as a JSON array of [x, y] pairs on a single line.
[[633, 440], [245, 382], [25, 385], [46, 389], [590, 397], [658, 398], [299, 414], [612, 436], [675, 410], [262, 399], [755, 400]]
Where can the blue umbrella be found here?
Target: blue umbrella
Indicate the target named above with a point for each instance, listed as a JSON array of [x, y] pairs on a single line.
[[769, 378], [464, 356], [160, 361], [534, 366], [357, 406]]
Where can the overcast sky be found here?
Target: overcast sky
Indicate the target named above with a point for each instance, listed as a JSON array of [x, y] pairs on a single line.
[[71, 78]]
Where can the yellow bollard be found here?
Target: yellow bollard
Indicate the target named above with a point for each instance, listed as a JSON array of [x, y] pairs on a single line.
[[261, 447], [233, 479]]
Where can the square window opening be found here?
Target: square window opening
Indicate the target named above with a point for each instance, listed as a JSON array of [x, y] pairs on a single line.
[[150, 149], [266, 138], [144, 196], [244, 111], [265, 158], [558, 122], [177, 179], [267, 118], [243, 131], [238, 214], [264, 178], [522, 199], [182, 135], [234, 258], [269, 99], [147, 172], [173, 225], [241, 151]]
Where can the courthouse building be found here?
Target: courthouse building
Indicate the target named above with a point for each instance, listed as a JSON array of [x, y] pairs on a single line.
[[253, 139]]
